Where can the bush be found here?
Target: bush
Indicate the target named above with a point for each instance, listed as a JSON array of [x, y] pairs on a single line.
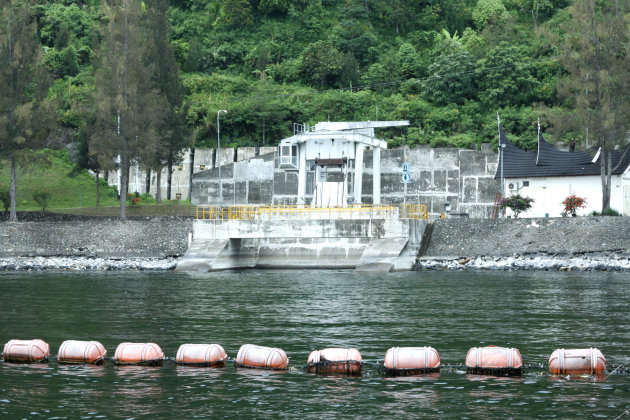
[[609, 212], [571, 205], [5, 197], [42, 198], [517, 204]]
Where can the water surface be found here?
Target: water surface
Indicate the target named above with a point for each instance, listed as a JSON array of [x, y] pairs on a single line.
[[301, 311]]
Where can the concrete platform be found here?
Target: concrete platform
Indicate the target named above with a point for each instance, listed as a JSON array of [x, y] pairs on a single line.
[[378, 245]]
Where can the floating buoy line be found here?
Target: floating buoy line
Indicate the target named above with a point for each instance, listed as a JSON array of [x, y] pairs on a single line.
[[398, 361]]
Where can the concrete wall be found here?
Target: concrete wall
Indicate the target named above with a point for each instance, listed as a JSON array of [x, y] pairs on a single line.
[[464, 178], [365, 244], [459, 238], [249, 175], [95, 237]]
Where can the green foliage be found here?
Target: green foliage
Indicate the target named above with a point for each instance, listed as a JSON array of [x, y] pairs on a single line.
[[42, 197], [517, 204], [321, 63], [237, 13], [609, 212], [451, 78], [506, 77], [488, 11], [271, 63], [62, 63], [5, 197]]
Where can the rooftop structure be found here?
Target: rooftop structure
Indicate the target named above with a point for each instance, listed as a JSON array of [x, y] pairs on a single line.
[[329, 160]]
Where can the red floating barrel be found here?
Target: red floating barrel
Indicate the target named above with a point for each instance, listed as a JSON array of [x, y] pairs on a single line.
[[494, 360], [201, 355], [26, 351], [411, 360], [138, 354], [335, 360], [577, 362], [252, 356], [73, 351]]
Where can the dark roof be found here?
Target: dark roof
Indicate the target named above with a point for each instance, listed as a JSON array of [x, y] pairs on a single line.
[[549, 161]]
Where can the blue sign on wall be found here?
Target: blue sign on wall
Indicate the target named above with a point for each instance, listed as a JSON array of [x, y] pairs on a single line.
[[406, 173]]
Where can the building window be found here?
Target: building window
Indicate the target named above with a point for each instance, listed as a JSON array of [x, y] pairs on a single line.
[[525, 183], [288, 157]]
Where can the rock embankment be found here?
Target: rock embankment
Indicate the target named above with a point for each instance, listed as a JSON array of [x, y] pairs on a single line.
[[86, 263], [582, 243], [93, 243]]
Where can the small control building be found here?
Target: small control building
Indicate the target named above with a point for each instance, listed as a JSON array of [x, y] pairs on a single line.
[[329, 160]]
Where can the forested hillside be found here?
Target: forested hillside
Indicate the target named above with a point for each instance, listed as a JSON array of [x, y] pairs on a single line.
[[448, 66]]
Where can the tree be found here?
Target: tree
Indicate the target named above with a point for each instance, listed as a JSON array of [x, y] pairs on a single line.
[[452, 78], [23, 84], [488, 11], [517, 204], [505, 77], [125, 98], [595, 54], [321, 62], [173, 133]]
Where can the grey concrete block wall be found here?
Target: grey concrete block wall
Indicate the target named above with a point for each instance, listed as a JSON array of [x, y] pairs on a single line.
[[464, 178], [245, 153], [203, 157]]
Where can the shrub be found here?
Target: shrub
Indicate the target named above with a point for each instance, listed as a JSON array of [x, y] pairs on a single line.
[[609, 212], [571, 205], [5, 197], [517, 204], [42, 198]]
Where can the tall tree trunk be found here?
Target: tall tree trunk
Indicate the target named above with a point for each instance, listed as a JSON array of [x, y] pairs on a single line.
[[158, 184], [13, 214], [606, 174], [147, 183], [169, 167], [124, 181], [98, 189]]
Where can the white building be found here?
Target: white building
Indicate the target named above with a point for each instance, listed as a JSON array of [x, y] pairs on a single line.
[[329, 160], [549, 175]]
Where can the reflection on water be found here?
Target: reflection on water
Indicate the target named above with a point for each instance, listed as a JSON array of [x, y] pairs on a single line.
[[301, 311]]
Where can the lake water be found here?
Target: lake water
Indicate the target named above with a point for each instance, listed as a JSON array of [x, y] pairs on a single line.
[[301, 311]]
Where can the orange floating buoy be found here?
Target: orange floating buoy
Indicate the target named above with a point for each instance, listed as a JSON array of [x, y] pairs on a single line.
[[73, 351], [411, 360], [335, 360], [252, 356], [138, 354], [577, 362], [201, 355], [494, 360], [26, 351]]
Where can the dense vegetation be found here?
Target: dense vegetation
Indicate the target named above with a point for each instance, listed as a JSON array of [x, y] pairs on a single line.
[[447, 66], [129, 81]]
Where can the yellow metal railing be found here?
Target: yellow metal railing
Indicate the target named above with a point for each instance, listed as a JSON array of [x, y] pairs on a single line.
[[304, 212]]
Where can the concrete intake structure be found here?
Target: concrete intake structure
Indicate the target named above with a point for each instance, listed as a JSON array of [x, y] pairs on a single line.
[[368, 241]]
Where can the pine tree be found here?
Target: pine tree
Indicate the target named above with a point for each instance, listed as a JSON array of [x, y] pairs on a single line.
[[174, 136], [23, 83], [596, 54], [128, 106]]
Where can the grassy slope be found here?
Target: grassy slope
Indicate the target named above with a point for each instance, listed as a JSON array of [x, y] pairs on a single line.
[[77, 195]]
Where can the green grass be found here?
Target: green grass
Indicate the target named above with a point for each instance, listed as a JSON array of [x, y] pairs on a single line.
[[77, 194], [170, 208]]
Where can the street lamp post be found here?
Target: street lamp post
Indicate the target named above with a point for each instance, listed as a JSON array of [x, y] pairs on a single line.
[[219, 158]]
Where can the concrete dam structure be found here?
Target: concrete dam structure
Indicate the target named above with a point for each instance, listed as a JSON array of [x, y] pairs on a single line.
[[328, 226], [368, 238]]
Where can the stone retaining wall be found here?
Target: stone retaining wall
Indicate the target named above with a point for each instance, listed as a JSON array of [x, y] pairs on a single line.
[[450, 238], [462, 237], [96, 237]]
